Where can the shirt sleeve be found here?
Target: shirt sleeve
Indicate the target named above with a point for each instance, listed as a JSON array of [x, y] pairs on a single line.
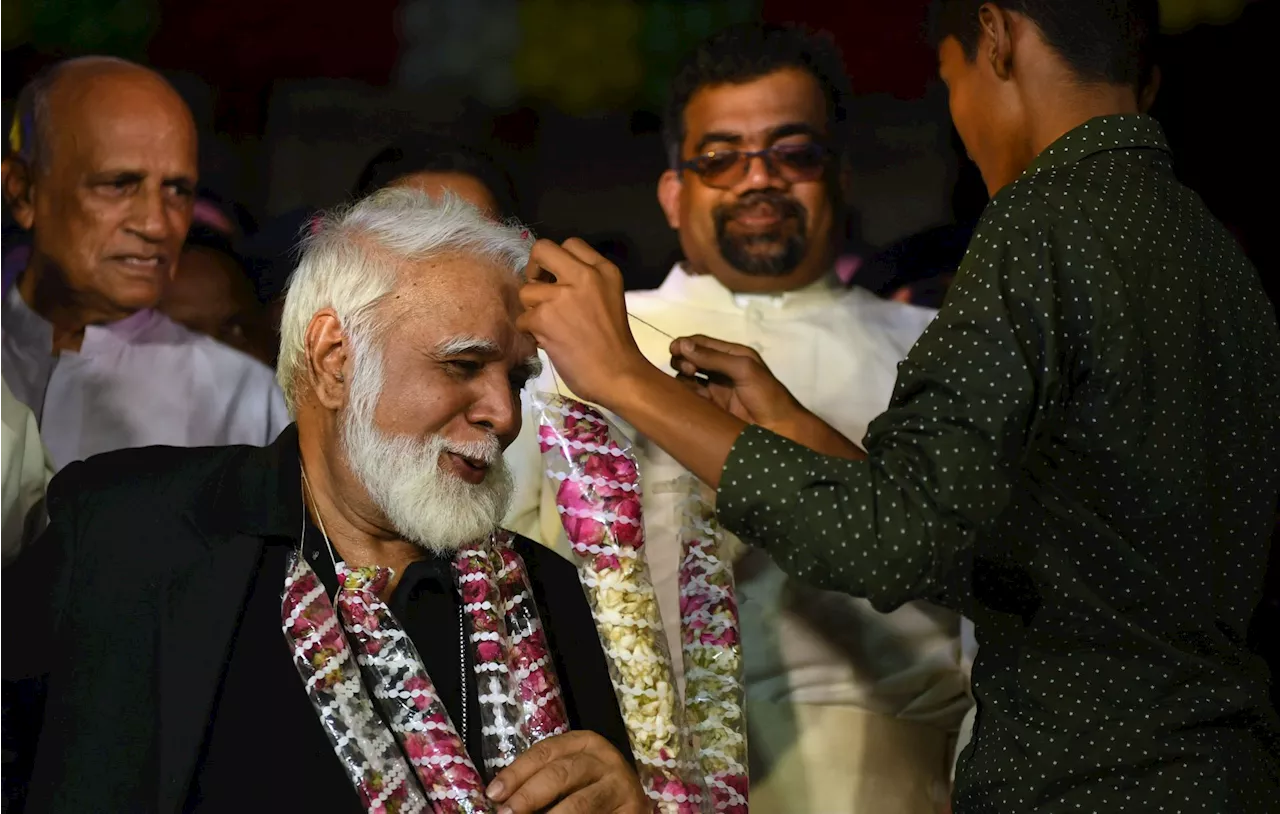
[[27, 469], [941, 460]]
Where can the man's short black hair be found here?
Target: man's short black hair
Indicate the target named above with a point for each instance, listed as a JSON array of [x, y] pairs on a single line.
[[749, 51], [427, 152], [1110, 41]]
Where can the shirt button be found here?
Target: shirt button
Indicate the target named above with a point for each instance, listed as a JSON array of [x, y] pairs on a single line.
[[755, 316]]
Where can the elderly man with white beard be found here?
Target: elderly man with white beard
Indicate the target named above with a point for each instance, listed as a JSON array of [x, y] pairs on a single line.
[[157, 609]]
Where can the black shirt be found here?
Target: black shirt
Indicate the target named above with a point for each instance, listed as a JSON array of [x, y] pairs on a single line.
[[265, 748]]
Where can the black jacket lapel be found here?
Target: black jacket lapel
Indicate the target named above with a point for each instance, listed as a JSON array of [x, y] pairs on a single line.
[[201, 612], [258, 497]]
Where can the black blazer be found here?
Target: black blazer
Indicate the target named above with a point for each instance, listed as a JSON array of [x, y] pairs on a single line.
[[126, 608]]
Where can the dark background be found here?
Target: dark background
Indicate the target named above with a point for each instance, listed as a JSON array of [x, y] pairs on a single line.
[[293, 97]]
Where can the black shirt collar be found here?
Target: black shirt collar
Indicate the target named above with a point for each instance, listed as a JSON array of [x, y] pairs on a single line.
[[433, 573]]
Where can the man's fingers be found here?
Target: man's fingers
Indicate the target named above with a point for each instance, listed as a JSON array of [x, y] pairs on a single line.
[[564, 266], [532, 761], [714, 364], [582, 250], [721, 397], [590, 800], [684, 344], [533, 294], [552, 781], [694, 384], [703, 376]]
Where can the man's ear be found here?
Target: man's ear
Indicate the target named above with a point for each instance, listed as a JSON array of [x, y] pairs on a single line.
[[669, 188], [327, 353], [1147, 95], [996, 42], [17, 185]]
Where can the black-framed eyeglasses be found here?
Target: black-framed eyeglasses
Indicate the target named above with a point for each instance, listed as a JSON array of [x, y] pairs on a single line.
[[794, 163]]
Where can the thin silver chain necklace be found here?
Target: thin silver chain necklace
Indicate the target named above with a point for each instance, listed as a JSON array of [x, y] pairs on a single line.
[[462, 616]]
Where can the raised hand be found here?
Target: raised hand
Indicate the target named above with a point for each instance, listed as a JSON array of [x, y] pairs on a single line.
[[576, 311]]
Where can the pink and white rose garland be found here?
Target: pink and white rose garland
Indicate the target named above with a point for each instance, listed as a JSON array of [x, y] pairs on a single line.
[[599, 504], [326, 662], [520, 698], [541, 705], [409, 701], [715, 693]]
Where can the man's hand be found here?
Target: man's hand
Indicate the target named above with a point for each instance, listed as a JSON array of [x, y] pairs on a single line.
[[580, 319], [575, 773], [736, 379]]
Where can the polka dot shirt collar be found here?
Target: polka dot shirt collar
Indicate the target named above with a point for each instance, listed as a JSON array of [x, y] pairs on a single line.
[[1101, 134]]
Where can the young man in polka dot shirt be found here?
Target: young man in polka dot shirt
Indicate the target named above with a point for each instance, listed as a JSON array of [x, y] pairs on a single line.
[[1082, 453]]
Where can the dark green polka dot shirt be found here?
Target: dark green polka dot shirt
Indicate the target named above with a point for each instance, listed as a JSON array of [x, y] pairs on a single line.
[[1082, 455]]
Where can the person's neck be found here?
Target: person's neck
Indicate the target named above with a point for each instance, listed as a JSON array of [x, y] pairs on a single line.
[[46, 292], [740, 283], [1057, 113], [353, 525]]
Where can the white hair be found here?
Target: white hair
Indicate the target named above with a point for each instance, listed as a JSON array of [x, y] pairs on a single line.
[[352, 258]]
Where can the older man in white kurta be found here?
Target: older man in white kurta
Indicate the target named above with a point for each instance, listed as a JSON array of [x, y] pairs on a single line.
[[849, 710], [102, 176], [136, 382]]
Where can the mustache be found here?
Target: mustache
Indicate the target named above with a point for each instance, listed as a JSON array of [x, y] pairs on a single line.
[[487, 449], [784, 204]]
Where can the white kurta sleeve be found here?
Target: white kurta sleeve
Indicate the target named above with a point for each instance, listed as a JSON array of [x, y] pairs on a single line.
[[26, 470], [525, 461]]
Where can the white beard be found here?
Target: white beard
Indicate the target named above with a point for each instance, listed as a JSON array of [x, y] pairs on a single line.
[[426, 503]]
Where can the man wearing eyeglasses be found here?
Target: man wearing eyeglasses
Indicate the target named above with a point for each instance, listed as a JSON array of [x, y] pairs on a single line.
[[849, 710]]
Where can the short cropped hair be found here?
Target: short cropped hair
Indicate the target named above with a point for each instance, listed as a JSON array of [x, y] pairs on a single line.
[[749, 51], [1110, 41]]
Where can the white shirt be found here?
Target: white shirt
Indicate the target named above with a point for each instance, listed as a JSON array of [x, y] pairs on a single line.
[[140, 381], [26, 472], [837, 351]]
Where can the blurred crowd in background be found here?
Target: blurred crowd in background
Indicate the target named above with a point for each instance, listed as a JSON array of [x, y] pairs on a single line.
[[549, 112], [296, 103]]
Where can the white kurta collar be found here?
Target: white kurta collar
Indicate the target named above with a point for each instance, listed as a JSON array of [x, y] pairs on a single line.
[[706, 291], [35, 333]]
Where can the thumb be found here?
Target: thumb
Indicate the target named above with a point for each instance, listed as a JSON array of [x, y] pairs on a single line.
[[717, 365], [698, 341]]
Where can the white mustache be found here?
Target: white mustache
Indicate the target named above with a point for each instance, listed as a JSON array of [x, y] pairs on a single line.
[[487, 450]]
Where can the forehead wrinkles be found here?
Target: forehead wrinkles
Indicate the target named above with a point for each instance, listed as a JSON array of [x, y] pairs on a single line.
[[461, 293]]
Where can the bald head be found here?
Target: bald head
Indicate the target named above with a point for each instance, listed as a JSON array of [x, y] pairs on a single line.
[[72, 87], [104, 179]]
